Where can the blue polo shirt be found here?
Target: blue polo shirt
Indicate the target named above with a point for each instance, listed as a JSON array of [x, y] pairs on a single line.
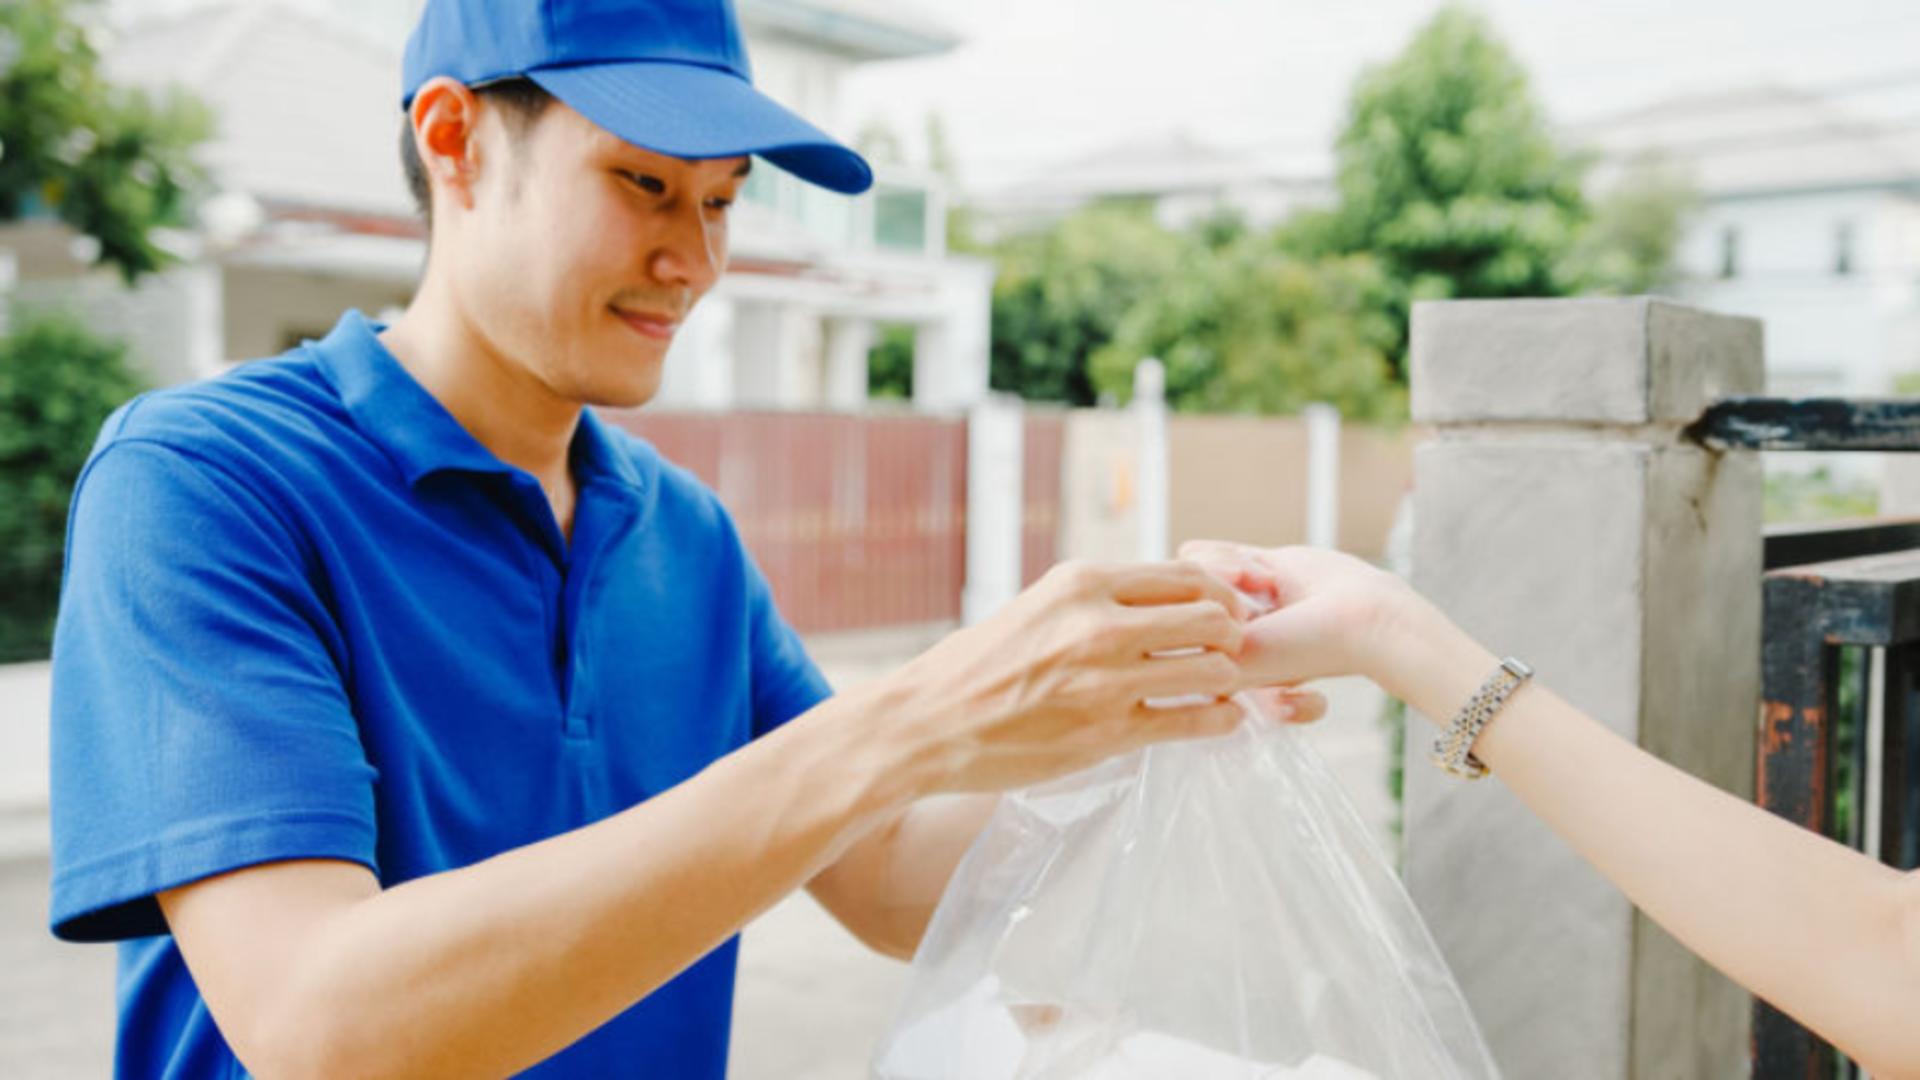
[[306, 615]]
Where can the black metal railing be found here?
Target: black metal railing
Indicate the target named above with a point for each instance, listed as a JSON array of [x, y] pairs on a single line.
[[1839, 735]]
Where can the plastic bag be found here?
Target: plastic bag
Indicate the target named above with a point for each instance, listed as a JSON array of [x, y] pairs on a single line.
[[1203, 909]]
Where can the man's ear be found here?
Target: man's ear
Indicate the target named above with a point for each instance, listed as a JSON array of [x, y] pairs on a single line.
[[446, 121]]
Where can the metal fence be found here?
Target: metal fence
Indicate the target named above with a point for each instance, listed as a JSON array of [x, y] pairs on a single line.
[[1839, 736]]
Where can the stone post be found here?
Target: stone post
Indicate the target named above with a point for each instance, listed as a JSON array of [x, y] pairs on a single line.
[[1560, 516]]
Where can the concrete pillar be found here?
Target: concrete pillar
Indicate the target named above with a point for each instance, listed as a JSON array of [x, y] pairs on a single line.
[[1150, 419], [802, 369], [996, 467], [951, 351], [700, 363], [1323, 475], [848, 341], [203, 302], [760, 348], [1560, 517]]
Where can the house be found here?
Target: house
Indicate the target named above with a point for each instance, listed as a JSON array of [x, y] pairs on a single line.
[[312, 215], [1809, 219], [1183, 179]]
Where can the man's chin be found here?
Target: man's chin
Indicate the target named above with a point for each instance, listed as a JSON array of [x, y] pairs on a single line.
[[636, 389]]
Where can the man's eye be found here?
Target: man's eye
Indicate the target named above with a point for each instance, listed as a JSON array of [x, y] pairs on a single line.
[[652, 185], [719, 203]]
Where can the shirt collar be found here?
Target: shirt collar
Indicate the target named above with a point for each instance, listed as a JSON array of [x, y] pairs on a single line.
[[406, 421]]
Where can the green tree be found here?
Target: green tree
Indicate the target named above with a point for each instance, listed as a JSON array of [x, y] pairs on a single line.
[[1629, 246], [1448, 176], [114, 163], [58, 383], [1061, 295], [1246, 328], [890, 363]]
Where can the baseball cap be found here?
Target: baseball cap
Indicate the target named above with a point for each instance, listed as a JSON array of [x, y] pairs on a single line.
[[669, 76]]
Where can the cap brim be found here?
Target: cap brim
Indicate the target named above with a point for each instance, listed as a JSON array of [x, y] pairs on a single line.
[[698, 112]]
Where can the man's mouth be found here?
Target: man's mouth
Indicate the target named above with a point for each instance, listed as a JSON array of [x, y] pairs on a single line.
[[649, 324]]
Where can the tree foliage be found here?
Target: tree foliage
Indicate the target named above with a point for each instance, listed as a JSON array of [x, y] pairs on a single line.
[[1630, 245], [1247, 328], [1448, 176], [1061, 295], [115, 163], [58, 383], [1449, 184]]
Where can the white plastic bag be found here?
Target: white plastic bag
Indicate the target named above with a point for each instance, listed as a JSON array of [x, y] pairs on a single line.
[[1204, 909]]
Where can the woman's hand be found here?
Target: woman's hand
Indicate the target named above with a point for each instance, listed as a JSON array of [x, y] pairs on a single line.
[[1332, 614]]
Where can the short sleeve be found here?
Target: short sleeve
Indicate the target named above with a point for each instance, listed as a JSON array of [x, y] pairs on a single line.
[[200, 717], [786, 682]]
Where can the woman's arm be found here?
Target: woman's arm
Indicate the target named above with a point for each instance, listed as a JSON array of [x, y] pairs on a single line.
[[1824, 933]]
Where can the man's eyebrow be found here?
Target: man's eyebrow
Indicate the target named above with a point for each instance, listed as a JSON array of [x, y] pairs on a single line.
[[746, 166]]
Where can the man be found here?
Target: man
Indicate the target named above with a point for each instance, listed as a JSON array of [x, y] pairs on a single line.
[[408, 720]]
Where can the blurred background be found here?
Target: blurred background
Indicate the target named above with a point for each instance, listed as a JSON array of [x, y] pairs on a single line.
[[1133, 272]]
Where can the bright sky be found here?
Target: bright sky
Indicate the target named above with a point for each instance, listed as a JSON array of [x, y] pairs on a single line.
[[1041, 80]]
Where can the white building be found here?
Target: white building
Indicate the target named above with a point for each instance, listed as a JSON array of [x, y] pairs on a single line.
[[1809, 220], [1184, 180], [314, 216]]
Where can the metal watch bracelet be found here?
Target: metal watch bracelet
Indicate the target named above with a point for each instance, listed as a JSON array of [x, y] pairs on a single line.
[[1453, 750]]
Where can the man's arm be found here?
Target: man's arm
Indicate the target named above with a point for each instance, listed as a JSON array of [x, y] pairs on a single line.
[[311, 968], [885, 887]]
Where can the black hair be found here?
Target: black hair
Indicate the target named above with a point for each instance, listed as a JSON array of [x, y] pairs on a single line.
[[521, 101]]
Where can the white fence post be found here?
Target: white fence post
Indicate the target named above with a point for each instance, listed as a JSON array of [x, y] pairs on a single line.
[[1560, 516], [1323, 475], [996, 468], [1150, 415]]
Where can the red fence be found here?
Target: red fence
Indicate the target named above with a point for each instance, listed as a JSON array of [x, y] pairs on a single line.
[[1045, 442], [858, 520]]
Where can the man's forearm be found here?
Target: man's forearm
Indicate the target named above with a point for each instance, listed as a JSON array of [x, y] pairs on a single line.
[[494, 967], [886, 887]]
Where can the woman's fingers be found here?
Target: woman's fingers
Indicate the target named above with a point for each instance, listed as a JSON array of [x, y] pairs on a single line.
[[1290, 705], [1235, 564]]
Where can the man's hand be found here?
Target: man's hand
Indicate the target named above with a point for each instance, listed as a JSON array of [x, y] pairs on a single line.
[[1059, 679], [1055, 682]]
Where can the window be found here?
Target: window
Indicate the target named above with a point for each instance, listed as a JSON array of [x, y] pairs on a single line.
[[1729, 252], [1843, 248]]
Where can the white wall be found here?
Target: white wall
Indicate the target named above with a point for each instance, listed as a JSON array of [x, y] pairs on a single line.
[[267, 307], [1827, 333]]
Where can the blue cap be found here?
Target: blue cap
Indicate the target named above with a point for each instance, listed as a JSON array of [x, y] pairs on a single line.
[[669, 76]]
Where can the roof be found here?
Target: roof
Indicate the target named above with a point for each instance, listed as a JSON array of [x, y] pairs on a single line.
[[307, 106], [1167, 162], [1761, 139], [856, 29]]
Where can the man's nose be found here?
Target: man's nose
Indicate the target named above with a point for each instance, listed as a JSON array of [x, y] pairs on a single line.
[[689, 254]]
